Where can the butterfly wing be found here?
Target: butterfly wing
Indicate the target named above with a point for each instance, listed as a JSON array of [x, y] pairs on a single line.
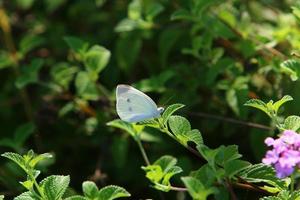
[[133, 105]]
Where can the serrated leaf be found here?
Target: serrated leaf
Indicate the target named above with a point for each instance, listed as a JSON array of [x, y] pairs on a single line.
[[25, 196], [76, 44], [292, 123], [29, 73], [55, 186], [262, 173], [292, 68], [232, 167], [280, 102], [170, 110], [284, 195], [18, 159], [76, 197], [126, 126], [112, 192], [196, 189], [227, 153], [256, 103], [179, 125], [90, 189], [37, 158], [96, 59]]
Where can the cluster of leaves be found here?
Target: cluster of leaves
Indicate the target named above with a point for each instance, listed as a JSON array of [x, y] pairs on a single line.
[[223, 166], [60, 62], [55, 186]]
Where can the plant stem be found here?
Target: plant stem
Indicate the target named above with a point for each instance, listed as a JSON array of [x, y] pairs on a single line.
[[292, 181], [146, 159]]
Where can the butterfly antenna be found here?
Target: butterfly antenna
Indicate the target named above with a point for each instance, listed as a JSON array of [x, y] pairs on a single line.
[[168, 100]]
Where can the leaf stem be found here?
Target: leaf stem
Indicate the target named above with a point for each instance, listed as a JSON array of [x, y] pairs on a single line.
[[145, 157]]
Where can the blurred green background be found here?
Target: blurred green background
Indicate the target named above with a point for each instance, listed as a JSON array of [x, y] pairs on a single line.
[[60, 62]]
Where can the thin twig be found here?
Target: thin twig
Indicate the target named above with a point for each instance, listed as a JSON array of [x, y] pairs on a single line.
[[229, 187], [230, 120]]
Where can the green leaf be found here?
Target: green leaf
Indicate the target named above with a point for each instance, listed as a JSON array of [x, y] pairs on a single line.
[[86, 88], [90, 189], [196, 189], [23, 132], [126, 126], [292, 123], [29, 73], [179, 125], [232, 167], [292, 68], [182, 14], [28, 184], [63, 74], [256, 103], [1, 197], [5, 60], [261, 173], [96, 59], [181, 128], [209, 154], [135, 10], [169, 111], [76, 44], [162, 171], [112, 192], [76, 197], [280, 102], [227, 153], [25, 196], [37, 158], [25, 4], [55, 186], [18, 159], [152, 10], [284, 195], [126, 25], [205, 174], [30, 42]]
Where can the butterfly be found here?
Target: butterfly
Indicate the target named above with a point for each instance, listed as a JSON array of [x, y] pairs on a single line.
[[135, 106]]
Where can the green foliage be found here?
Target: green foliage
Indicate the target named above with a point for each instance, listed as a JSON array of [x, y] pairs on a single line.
[[161, 171], [284, 195]]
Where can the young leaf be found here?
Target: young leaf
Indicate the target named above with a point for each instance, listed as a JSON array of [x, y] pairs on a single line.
[[263, 173], [128, 127], [179, 125], [96, 59], [291, 123], [135, 9], [90, 189], [196, 189], [292, 68], [54, 186], [29, 74], [232, 167], [37, 158], [112, 192], [227, 153], [169, 111], [25, 196], [18, 159], [76, 197], [280, 102], [86, 88], [256, 103], [76, 44]]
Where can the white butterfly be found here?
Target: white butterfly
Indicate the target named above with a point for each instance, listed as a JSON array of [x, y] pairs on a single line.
[[135, 106]]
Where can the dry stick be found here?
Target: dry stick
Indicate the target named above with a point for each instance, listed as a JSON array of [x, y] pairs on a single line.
[[6, 28], [231, 120]]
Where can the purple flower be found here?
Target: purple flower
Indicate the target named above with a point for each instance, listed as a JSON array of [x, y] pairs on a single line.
[[285, 153]]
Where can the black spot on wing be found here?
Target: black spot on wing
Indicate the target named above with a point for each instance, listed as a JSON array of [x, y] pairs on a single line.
[[128, 100], [130, 109]]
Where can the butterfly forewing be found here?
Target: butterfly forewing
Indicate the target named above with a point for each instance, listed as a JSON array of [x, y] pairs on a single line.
[[133, 105]]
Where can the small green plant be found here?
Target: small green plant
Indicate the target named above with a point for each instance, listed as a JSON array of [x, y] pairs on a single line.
[[54, 187]]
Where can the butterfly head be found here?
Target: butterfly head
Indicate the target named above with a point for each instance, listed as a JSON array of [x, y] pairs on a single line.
[[160, 109]]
